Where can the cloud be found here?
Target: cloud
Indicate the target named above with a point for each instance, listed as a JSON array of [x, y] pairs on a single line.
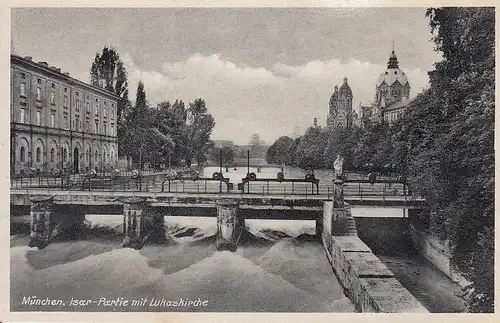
[[271, 102]]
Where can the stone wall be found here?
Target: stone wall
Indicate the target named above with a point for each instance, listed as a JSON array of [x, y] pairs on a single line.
[[368, 283], [436, 252]]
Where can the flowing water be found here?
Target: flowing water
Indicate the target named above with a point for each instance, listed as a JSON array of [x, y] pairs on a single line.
[[278, 267]]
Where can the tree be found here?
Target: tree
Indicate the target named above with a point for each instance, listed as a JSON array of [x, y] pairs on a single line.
[[198, 131], [107, 71], [452, 143], [282, 151], [142, 138], [226, 152], [309, 153]]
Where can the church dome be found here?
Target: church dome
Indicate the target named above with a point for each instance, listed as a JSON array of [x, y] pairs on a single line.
[[345, 88], [334, 98], [392, 73]]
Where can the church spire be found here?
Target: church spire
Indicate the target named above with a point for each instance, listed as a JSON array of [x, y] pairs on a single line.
[[393, 60]]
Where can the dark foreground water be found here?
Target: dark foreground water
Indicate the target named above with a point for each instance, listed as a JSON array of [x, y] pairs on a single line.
[[273, 270]]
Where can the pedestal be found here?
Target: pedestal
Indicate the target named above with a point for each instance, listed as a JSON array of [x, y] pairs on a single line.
[[40, 220], [229, 225], [338, 193]]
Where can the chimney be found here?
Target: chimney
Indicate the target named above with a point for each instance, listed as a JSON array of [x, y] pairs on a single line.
[[58, 69], [66, 73], [29, 58], [315, 122], [44, 64]]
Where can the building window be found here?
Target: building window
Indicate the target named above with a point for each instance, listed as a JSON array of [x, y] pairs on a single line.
[[65, 155], [38, 154], [23, 75], [112, 113], [97, 107], [53, 86], [105, 112], [77, 124], [22, 115], [88, 107], [65, 101], [52, 119], [105, 128], [97, 127], [38, 94], [23, 89], [96, 156], [22, 155], [77, 104], [112, 130], [65, 122], [39, 81], [52, 154], [65, 90], [38, 118], [52, 97]]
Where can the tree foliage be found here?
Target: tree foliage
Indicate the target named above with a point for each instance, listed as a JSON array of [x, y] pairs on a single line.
[[282, 151], [107, 71]]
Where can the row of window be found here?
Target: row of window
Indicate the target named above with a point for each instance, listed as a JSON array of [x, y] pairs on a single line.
[[393, 116], [38, 157], [66, 99], [77, 124]]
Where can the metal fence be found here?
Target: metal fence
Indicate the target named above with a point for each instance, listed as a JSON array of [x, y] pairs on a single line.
[[161, 182]]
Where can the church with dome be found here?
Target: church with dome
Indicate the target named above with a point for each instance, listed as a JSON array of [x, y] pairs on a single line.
[[392, 93], [392, 99], [340, 113]]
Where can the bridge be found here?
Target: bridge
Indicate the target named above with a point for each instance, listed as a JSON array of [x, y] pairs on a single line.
[[64, 201]]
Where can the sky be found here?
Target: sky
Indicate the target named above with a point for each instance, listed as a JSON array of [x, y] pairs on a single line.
[[260, 70]]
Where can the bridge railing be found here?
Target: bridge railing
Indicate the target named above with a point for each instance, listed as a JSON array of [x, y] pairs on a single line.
[[209, 186]]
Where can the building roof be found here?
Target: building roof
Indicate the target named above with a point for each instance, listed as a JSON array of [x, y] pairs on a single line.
[[43, 66], [345, 88], [400, 104], [393, 73]]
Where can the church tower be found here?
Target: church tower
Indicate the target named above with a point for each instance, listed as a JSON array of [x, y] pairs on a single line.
[[392, 85], [392, 93], [340, 111]]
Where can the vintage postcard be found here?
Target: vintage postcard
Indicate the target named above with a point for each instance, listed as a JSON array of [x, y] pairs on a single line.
[[229, 160]]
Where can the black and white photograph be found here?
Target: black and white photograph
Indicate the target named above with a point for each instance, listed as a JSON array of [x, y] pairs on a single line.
[[251, 159]]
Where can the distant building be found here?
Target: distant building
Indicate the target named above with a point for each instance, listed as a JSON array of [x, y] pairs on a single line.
[[341, 114], [59, 122], [223, 143], [254, 140], [392, 93]]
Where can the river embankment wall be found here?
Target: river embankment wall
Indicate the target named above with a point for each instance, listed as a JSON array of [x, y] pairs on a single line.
[[368, 283]]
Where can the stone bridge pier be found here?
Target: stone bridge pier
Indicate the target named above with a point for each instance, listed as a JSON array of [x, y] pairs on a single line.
[[49, 220], [230, 225], [140, 222], [41, 225]]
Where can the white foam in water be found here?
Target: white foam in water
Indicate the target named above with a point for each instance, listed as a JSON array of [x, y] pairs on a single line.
[[286, 277], [104, 220]]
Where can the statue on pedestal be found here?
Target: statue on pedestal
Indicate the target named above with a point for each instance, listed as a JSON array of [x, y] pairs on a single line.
[[337, 165]]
